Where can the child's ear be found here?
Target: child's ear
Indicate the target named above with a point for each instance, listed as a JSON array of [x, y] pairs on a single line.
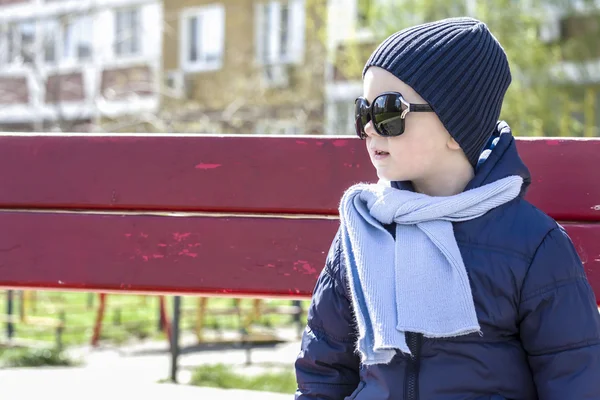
[[453, 144]]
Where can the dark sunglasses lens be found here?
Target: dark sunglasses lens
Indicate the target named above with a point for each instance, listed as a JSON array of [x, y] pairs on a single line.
[[361, 117], [387, 112], [360, 129]]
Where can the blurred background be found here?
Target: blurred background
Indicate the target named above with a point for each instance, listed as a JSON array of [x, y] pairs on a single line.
[[284, 67]]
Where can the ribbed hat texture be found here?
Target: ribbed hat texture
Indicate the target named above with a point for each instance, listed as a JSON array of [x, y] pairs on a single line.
[[459, 68]]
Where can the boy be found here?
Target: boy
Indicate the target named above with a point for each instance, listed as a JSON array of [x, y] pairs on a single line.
[[443, 282]]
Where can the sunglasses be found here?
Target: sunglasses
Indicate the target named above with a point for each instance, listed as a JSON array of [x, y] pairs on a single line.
[[388, 112]]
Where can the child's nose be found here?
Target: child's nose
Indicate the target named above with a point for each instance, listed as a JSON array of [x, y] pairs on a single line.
[[370, 129]]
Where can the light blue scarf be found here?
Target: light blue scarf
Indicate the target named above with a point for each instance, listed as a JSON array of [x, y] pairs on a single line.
[[417, 283]]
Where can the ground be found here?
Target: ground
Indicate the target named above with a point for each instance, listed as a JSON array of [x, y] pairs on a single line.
[[135, 370]]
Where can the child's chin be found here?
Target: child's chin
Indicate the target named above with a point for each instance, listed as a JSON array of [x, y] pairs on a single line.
[[391, 177]]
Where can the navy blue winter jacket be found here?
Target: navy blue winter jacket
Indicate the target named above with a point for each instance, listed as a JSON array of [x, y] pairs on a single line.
[[536, 309]]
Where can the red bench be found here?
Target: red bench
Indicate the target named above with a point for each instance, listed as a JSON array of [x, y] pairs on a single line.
[[218, 215]]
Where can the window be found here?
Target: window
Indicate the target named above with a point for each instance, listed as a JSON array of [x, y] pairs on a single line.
[[280, 31], [203, 34], [128, 32], [51, 33], [77, 39], [17, 42], [5, 44], [67, 40]]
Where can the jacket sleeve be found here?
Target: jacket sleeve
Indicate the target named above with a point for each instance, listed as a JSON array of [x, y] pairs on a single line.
[[560, 323], [327, 367]]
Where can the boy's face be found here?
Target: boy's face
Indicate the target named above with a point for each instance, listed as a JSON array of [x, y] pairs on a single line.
[[422, 151]]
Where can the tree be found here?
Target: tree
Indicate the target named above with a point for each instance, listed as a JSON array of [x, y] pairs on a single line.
[[540, 100]]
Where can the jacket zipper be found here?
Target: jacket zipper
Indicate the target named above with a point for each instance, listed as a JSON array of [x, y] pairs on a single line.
[[411, 383]]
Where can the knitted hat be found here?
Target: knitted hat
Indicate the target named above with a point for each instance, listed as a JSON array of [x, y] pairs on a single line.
[[459, 68]]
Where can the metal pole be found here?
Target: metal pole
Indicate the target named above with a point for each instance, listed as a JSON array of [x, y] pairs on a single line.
[[298, 318], [175, 337], [161, 315], [10, 329]]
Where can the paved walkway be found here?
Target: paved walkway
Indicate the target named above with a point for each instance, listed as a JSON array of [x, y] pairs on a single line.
[[133, 372], [77, 384]]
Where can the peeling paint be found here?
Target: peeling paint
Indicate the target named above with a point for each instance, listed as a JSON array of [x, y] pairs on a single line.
[[207, 166], [180, 236], [300, 142], [144, 235], [128, 235], [340, 143], [320, 144], [596, 208], [305, 266], [186, 252]]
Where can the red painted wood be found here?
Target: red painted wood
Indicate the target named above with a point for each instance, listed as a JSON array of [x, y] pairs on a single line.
[[99, 318], [186, 255], [241, 173], [227, 256], [247, 173], [565, 177]]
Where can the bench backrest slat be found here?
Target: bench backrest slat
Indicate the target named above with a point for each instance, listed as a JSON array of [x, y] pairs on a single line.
[[248, 173]]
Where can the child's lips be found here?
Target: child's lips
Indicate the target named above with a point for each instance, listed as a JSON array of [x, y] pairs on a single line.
[[379, 154]]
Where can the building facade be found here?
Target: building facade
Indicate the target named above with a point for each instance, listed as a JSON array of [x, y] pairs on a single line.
[[71, 65], [244, 66]]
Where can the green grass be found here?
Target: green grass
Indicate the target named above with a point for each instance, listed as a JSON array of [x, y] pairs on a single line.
[[25, 357], [221, 376], [126, 317]]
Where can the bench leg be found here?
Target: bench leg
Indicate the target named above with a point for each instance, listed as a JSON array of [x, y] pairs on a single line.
[[175, 337], [298, 318], [10, 328]]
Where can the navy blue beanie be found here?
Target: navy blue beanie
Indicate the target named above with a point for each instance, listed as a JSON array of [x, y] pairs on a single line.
[[459, 68]]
